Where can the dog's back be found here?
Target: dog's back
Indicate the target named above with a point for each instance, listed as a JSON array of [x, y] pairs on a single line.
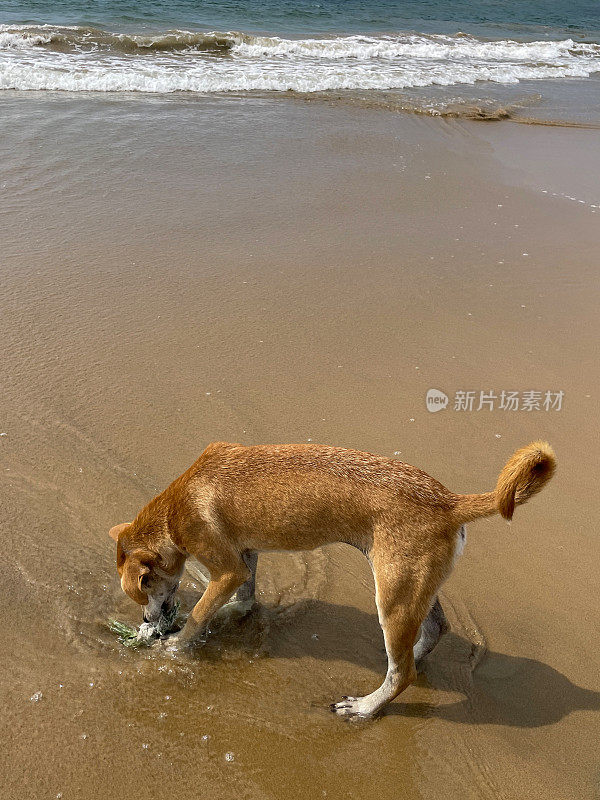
[[299, 496]]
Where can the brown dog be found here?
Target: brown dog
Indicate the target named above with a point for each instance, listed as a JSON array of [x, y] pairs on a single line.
[[236, 501]]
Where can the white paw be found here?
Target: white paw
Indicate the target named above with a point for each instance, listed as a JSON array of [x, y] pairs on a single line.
[[170, 647], [353, 707], [234, 610], [242, 607], [173, 647]]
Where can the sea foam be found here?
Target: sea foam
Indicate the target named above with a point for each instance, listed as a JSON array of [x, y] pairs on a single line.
[[86, 59]]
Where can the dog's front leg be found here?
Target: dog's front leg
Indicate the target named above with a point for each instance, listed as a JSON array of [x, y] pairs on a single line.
[[220, 588], [246, 594]]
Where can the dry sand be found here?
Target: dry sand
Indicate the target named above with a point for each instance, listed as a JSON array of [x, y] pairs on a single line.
[[175, 273]]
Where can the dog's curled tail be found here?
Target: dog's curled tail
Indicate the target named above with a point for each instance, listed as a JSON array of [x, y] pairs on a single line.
[[528, 471]]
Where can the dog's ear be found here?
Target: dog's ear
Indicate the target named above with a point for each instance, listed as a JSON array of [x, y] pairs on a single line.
[[133, 579], [114, 532]]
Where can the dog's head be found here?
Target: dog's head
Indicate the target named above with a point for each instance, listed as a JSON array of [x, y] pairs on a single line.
[[147, 577]]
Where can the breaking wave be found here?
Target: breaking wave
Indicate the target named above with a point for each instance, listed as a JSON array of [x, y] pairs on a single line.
[[84, 39], [75, 59]]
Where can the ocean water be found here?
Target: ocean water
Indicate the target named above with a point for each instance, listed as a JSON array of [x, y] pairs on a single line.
[[434, 54]]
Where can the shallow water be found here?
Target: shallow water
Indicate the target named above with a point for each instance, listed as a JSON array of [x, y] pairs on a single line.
[[175, 273]]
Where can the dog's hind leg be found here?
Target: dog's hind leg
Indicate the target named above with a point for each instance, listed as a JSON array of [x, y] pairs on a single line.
[[402, 602], [434, 626]]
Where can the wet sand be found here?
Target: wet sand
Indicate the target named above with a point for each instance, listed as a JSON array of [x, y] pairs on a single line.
[[179, 272]]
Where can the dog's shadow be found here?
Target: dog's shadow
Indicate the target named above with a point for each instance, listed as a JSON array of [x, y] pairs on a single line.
[[500, 690]]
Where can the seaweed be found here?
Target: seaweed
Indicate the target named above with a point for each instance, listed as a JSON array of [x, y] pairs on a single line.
[[130, 636]]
